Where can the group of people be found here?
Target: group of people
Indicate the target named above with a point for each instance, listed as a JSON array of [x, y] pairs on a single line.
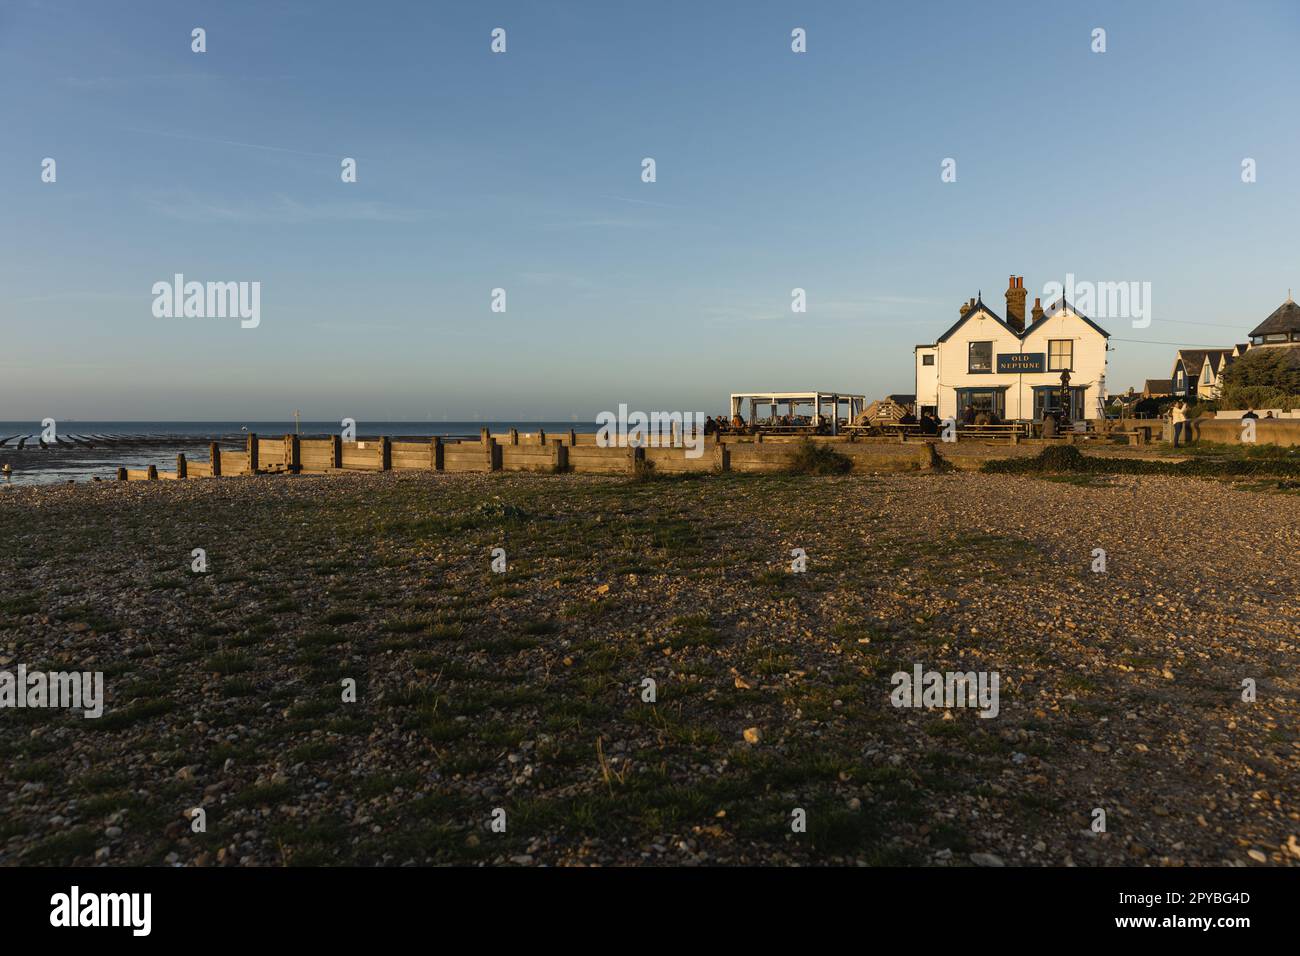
[[928, 422], [1182, 426], [737, 425]]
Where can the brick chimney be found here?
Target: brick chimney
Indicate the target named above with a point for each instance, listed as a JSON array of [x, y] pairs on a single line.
[[1038, 311], [1016, 296]]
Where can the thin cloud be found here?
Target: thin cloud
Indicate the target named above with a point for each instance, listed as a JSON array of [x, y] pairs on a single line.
[[645, 202], [231, 142], [278, 209], [598, 224]]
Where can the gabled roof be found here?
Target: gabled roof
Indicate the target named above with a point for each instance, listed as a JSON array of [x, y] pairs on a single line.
[[1059, 306], [1159, 386], [1055, 309], [1194, 359], [1285, 318], [978, 307]]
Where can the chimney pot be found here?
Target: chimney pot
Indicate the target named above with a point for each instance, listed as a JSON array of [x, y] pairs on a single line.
[[1016, 303]]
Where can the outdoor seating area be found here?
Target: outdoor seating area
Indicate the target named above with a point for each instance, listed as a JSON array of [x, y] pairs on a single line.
[[805, 413]]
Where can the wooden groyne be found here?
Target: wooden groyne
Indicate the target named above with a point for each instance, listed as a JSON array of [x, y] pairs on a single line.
[[29, 442], [512, 451]]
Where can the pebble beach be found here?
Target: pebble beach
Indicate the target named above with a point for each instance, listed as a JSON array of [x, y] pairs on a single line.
[[519, 696]]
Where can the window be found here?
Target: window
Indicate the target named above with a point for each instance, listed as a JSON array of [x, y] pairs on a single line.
[[927, 359], [1275, 337], [1047, 401], [978, 400], [1060, 355], [981, 357]]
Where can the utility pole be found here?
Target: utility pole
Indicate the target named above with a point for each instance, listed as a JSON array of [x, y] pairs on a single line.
[[296, 413]]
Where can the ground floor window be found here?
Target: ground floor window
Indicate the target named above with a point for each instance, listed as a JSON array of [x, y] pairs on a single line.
[[1047, 401], [973, 401]]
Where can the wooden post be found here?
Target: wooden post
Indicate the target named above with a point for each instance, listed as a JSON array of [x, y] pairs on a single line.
[[493, 454], [561, 457], [153, 472], [573, 437], [385, 453], [336, 452], [252, 453], [541, 436], [435, 453], [121, 474], [214, 457], [637, 459], [485, 436], [514, 436], [292, 454], [722, 457], [182, 469]]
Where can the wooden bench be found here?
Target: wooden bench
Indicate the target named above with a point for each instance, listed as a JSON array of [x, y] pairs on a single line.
[[1011, 432]]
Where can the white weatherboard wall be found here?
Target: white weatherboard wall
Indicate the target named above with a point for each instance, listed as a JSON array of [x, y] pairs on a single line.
[[951, 370], [954, 359], [927, 378], [1090, 356]]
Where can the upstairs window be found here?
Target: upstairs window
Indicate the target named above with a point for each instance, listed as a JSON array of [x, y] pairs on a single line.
[[1060, 355], [981, 357], [927, 359]]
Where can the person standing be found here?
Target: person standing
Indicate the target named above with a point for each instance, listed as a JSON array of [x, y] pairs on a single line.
[[1178, 416]]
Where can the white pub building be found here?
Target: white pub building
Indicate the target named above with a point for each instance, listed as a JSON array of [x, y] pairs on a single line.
[[985, 363]]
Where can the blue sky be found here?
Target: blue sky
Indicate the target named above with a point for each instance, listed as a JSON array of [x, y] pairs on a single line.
[[522, 171]]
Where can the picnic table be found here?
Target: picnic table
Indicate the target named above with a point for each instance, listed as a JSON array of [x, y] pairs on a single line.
[[1010, 431]]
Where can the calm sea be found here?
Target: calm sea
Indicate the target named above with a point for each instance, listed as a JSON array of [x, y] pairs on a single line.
[[157, 443]]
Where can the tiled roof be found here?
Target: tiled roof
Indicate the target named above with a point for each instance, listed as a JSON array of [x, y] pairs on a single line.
[[1285, 318]]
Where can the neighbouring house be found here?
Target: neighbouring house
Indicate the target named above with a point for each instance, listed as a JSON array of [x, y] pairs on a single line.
[[1280, 328], [1124, 402], [986, 363], [1196, 372], [1158, 388]]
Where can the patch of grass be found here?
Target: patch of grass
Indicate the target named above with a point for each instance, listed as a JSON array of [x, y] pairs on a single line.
[[229, 663], [817, 458], [131, 714], [1067, 459], [64, 848], [316, 750], [335, 618]]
